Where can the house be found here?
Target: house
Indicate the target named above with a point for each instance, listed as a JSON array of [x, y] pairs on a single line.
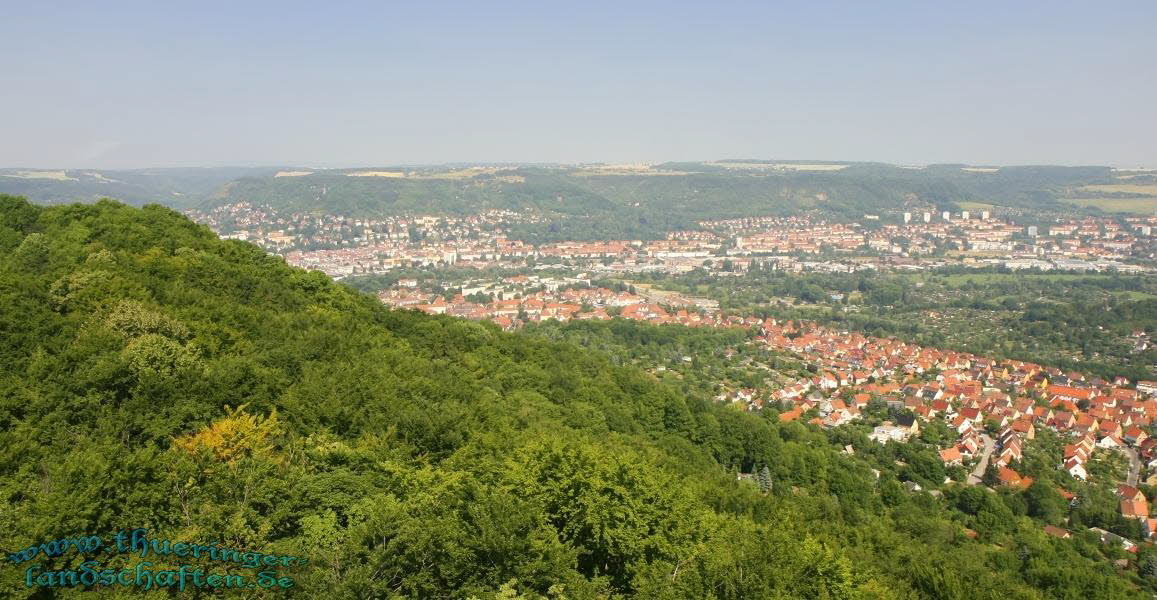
[[1121, 395], [1135, 436], [1085, 423], [1057, 532], [438, 307], [1062, 421], [1007, 456], [1149, 526], [908, 423], [1007, 476], [828, 382], [1135, 509], [839, 417], [1075, 451], [888, 431], [1128, 492], [969, 444], [1110, 443], [1110, 428], [1149, 448], [1108, 537], [951, 456], [790, 415], [1009, 436], [1024, 428], [1069, 393], [972, 414], [1076, 468]]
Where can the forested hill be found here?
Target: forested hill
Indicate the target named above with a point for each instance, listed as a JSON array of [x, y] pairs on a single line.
[[176, 187], [153, 376], [695, 190], [601, 202], [590, 201]]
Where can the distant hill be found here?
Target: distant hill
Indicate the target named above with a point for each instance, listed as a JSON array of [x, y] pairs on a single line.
[[591, 201], [685, 190], [176, 187], [377, 192], [597, 200]]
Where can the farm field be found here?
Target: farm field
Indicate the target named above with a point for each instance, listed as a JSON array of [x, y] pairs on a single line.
[[959, 279], [1122, 205], [1124, 188]]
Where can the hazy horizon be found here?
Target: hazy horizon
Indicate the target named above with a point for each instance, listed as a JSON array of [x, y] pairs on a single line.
[[269, 84], [488, 163]]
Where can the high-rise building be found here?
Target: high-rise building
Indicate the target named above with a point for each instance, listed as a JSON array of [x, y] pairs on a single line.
[[947, 216], [907, 218], [927, 217], [1031, 230], [964, 215], [984, 214]]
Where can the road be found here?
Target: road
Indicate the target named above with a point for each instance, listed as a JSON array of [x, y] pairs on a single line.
[[978, 473], [1134, 465]]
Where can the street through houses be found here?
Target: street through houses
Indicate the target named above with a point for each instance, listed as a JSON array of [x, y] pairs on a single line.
[[977, 474], [1134, 465]]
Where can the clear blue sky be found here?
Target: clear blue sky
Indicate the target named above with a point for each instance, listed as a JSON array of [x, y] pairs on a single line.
[[160, 83]]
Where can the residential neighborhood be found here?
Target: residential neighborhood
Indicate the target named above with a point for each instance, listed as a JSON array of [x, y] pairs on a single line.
[[342, 246]]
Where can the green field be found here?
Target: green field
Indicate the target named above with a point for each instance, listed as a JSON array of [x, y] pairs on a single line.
[[1134, 295], [959, 279], [1123, 188], [1120, 205]]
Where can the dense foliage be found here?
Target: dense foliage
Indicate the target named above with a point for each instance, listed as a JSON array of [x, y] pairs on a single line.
[[703, 361], [154, 376]]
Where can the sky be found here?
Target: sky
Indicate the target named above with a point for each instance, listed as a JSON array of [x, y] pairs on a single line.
[[151, 84]]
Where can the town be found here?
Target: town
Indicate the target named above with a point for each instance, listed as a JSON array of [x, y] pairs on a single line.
[[343, 246], [994, 408], [583, 301]]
